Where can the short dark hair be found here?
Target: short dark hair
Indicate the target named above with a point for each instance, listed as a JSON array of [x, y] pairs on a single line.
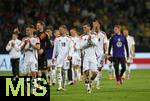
[[87, 24], [98, 20]]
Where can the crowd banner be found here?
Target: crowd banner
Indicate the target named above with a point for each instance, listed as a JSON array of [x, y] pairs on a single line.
[[140, 61]]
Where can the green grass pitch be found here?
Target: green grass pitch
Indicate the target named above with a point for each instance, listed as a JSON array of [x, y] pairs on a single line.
[[135, 89]]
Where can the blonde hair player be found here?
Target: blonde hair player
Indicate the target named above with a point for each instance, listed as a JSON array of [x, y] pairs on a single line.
[[131, 45]]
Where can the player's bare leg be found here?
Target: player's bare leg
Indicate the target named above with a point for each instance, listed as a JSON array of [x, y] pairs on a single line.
[[53, 76], [39, 73], [76, 73], [89, 77], [87, 80], [64, 78], [128, 71], [98, 78], [48, 76], [60, 79], [110, 71]]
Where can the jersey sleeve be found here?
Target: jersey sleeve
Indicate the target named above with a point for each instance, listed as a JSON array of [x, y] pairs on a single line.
[[110, 45], [55, 48], [105, 39], [18, 46], [84, 42], [105, 45], [70, 47], [94, 40], [133, 41], [8, 46], [37, 42], [43, 37], [126, 47]]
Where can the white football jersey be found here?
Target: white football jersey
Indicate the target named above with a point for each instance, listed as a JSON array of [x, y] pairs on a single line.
[[76, 43], [14, 52], [102, 39], [89, 51], [62, 47], [131, 42], [30, 53]]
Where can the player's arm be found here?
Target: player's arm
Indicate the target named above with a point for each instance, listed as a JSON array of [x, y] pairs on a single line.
[[84, 43], [37, 45], [70, 49], [49, 43], [94, 41], [9, 46], [133, 48], [23, 43], [126, 47], [18, 47], [55, 49], [105, 45], [110, 46], [42, 37]]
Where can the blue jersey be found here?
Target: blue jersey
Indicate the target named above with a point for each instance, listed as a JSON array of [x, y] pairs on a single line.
[[49, 47], [118, 42]]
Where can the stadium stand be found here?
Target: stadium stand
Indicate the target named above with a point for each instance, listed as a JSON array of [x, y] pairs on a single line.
[[133, 13]]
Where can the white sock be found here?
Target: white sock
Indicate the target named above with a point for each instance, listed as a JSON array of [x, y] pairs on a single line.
[[124, 75], [110, 70], [97, 79], [59, 76], [48, 73], [88, 86], [53, 75], [78, 74], [73, 74], [48, 76], [128, 70], [66, 77]]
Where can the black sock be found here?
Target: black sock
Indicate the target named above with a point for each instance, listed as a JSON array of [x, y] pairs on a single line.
[[117, 73], [86, 82], [93, 77], [123, 70], [43, 76]]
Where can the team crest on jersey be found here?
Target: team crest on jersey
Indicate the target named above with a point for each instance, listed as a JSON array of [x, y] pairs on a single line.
[[99, 39], [119, 43]]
